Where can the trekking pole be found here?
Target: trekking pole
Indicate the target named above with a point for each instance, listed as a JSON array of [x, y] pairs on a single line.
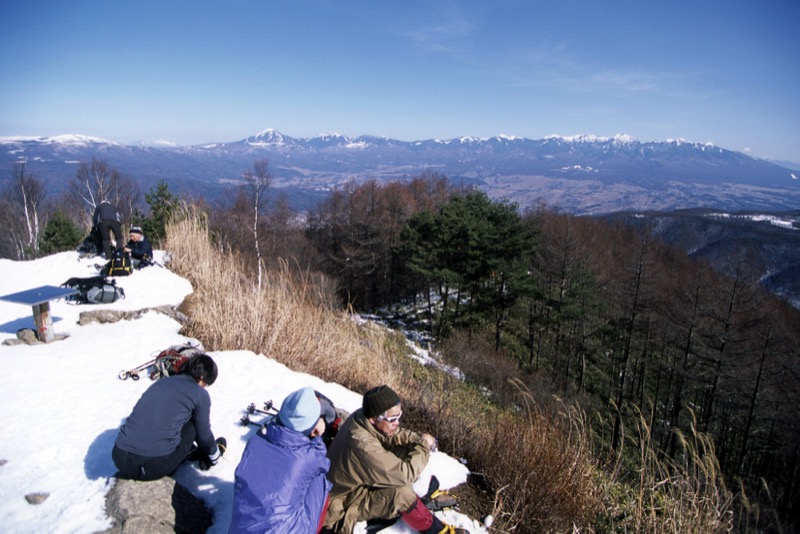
[[133, 374], [245, 421], [268, 409]]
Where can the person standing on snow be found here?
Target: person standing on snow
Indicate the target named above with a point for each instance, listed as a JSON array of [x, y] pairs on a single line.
[[374, 464], [107, 220], [170, 417], [280, 483]]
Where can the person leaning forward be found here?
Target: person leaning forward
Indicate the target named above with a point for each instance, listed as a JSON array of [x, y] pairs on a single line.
[[106, 221], [374, 464], [170, 417]]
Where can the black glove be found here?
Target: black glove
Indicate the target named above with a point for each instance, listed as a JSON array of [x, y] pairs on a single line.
[[204, 463]]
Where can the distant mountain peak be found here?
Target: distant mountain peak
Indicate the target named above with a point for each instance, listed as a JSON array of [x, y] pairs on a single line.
[[269, 136], [619, 139], [330, 135], [625, 139], [681, 141]]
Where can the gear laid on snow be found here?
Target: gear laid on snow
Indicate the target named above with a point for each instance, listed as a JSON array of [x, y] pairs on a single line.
[[94, 290], [169, 362]]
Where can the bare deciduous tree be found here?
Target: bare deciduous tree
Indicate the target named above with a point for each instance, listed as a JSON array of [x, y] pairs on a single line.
[[23, 212], [97, 182], [257, 182]]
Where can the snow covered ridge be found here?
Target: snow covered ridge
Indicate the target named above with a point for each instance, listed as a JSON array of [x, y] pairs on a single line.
[[62, 406], [72, 140], [620, 139], [272, 137], [783, 222], [625, 174]]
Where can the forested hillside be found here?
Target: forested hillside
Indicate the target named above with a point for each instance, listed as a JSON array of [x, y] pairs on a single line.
[[635, 331], [767, 244], [584, 309]]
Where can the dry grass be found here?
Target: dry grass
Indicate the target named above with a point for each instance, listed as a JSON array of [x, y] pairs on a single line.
[[537, 460], [288, 320], [686, 494]]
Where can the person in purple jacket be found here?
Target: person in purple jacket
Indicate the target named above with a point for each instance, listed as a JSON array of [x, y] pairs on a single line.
[[170, 417], [280, 483]]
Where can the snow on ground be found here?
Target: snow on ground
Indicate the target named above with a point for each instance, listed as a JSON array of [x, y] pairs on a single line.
[[62, 403]]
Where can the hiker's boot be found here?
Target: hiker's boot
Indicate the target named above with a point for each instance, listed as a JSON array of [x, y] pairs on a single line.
[[441, 528], [440, 500], [222, 445]]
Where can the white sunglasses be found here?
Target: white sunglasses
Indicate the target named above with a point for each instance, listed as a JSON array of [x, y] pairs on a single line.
[[392, 419]]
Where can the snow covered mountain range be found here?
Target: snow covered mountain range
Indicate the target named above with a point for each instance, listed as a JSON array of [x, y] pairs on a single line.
[[582, 174]]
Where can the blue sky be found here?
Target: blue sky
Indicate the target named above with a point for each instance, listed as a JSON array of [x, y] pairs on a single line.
[[191, 72]]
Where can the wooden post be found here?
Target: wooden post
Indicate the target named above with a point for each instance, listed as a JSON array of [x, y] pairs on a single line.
[[44, 321]]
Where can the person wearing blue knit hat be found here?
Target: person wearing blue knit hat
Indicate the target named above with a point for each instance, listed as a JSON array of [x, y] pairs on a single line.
[[301, 412], [280, 483]]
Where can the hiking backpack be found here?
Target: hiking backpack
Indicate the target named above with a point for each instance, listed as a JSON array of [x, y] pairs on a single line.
[[119, 264], [92, 245], [170, 361], [93, 290]]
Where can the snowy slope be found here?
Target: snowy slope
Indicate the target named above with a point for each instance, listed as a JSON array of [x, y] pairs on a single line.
[[61, 403]]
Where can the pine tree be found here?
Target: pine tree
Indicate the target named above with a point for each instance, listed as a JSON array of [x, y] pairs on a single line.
[[60, 234], [162, 205]]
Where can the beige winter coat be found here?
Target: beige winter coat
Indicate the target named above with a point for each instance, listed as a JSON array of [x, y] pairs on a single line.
[[372, 475]]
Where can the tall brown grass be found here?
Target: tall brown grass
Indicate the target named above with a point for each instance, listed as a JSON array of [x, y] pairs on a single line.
[[686, 493], [536, 459], [289, 319]]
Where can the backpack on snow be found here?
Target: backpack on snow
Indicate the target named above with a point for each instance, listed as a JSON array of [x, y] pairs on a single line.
[[119, 265], [92, 245], [170, 361], [94, 290]]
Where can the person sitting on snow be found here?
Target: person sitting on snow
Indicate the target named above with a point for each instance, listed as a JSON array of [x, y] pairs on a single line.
[[140, 249], [170, 417], [280, 483], [374, 464]]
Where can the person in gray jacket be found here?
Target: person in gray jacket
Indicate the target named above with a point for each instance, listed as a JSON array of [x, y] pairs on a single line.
[[168, 420]]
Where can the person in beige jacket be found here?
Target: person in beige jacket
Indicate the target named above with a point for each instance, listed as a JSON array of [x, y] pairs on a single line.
[[373, 466]]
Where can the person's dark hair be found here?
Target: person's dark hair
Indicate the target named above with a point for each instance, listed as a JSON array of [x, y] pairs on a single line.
[[201, 367]]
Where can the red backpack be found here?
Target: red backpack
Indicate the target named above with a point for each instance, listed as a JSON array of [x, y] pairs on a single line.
[[168, 362]]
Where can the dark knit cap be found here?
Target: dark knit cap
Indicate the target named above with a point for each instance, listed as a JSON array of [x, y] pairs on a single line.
[[378, 400]]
